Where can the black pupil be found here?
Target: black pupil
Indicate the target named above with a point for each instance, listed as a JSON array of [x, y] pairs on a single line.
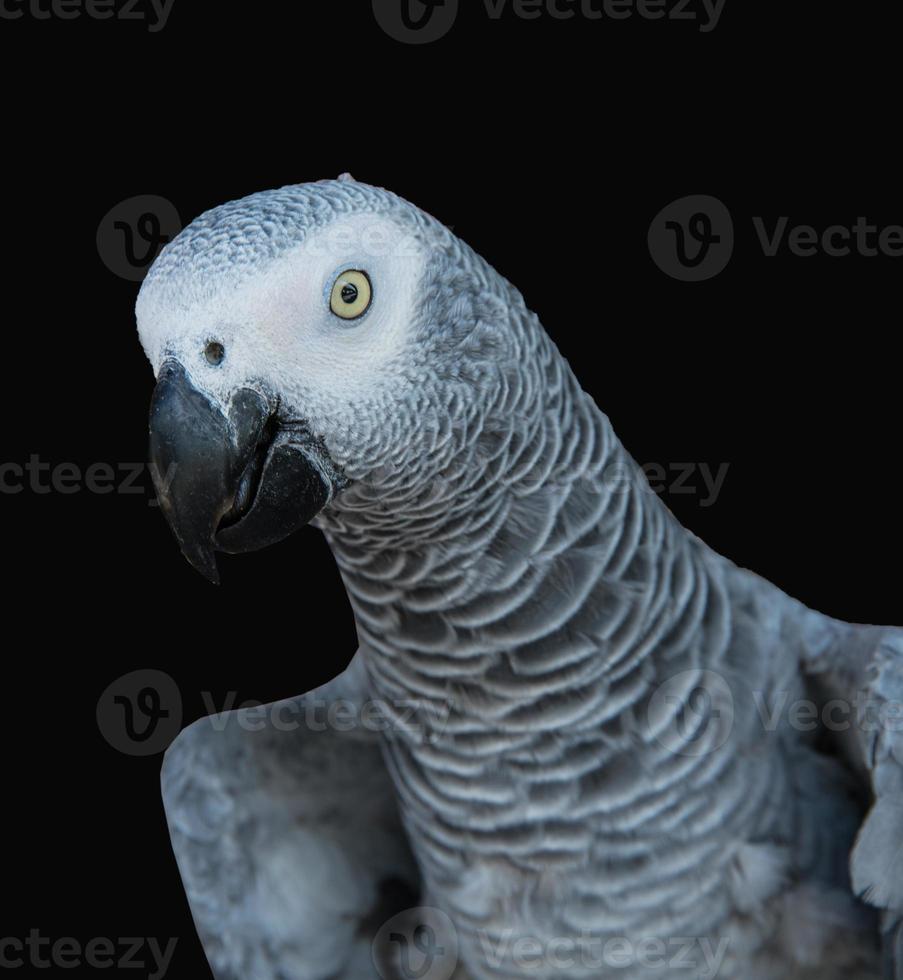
[[349, 293]]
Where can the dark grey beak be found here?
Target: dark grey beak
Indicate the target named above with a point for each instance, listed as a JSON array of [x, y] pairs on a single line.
[[230, 482]]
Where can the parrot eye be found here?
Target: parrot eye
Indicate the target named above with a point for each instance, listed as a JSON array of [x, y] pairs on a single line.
[[351, 294]]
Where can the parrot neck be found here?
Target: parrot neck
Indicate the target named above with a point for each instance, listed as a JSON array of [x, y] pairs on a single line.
[[542, 652], [558, 570]]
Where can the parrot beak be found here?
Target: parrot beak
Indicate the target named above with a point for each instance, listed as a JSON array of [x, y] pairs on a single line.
[[229, 482]]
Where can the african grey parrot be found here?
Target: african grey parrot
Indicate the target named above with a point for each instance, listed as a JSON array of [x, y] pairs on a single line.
[[564, 747]]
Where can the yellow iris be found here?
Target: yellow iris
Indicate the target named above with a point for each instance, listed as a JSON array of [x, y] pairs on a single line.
[[351, 294]]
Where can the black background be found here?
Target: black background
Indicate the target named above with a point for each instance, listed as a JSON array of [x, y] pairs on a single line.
[[549, 146]]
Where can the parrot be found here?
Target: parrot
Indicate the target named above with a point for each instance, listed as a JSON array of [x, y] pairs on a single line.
[[564, 747]]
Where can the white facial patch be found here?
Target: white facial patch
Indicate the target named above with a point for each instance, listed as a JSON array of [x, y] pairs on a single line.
[[276, 325]]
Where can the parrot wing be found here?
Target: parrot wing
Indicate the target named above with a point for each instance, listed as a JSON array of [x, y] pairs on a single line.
[[861, 668], [286, 832]]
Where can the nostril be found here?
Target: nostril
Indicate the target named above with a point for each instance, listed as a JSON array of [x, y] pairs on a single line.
[[214, 352]]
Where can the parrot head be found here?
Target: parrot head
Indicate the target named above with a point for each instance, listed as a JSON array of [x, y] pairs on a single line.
[[313, 344]]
